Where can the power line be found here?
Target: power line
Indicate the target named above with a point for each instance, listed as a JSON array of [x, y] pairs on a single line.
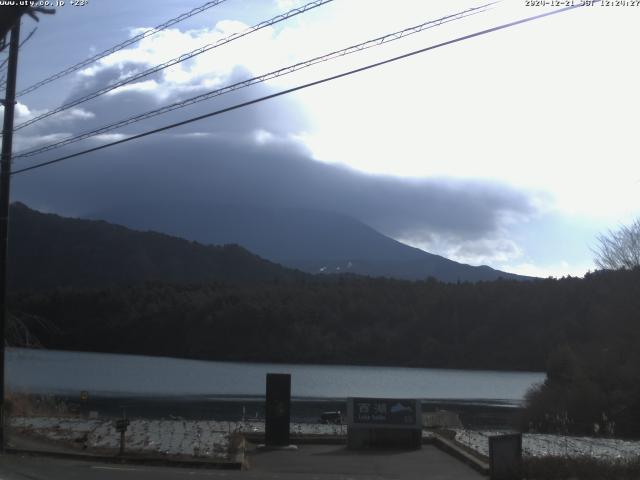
[[300, 87], [3, 65], [3, 82], [28, 37], [175, 61], [259, 79], [3, 71], [120, 46]]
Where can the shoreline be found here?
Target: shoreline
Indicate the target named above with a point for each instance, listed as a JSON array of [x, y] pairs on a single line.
[[476, 414]]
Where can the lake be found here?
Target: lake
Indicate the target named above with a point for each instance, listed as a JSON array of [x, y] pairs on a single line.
[[110, 375]]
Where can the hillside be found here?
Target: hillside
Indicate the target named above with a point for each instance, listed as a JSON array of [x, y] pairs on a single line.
[[49, 251], [310, 240]]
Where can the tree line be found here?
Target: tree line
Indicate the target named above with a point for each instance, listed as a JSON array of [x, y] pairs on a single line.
[[584, 332]]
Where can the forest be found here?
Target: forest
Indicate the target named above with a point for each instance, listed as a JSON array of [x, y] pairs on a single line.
[[583, 331], [92, 286]]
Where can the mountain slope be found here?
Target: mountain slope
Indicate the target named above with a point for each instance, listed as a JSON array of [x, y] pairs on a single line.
[[48, 251], [309, 240]]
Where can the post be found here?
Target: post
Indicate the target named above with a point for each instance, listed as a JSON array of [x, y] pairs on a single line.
[[121, 426], [121, 442], [5, 183]]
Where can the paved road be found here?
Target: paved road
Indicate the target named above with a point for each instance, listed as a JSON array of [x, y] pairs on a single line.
[[334, 461], [14, 467], [317, 462]]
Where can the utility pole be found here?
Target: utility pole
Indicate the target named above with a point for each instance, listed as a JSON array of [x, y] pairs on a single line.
[[9, 103]]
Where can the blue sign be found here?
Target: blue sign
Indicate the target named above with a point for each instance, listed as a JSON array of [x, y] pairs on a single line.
[[384, 411]]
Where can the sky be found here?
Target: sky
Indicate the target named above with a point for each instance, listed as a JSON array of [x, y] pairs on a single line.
[[513, 149]]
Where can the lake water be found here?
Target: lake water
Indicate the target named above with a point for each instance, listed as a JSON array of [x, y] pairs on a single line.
[[67, 373]]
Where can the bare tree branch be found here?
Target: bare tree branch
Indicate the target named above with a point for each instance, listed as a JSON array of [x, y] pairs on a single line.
[[619, 249]]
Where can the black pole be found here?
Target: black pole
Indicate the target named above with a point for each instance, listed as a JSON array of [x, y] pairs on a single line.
[[5, 184], [121, 442]]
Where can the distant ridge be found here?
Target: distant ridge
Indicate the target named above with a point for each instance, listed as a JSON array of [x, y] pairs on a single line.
[[310, 240], [48, 251]]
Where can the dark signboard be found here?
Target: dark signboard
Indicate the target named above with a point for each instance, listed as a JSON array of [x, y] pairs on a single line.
[[384, 411], [277, 415]]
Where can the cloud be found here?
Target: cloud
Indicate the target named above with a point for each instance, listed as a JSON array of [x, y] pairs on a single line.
[[286, 5], [109, 137], [251, 156], [544, 270], [491, 248], [185, 169]]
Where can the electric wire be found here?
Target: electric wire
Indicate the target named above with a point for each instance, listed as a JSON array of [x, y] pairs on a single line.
[[301, 87], [260, 79], [120, 46], [185, 56], [3, 65], [3, 72], [27, 38]]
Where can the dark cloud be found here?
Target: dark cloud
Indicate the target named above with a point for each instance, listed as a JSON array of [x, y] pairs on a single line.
[[220, 161], [240, 171]]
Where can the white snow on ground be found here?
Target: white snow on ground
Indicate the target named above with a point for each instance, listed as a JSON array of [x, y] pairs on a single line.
[[170, 437], [541, 445], [203, 438], [302, 428], [294, 429], [210, 438]]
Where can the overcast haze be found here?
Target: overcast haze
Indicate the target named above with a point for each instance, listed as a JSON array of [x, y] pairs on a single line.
[[512, 150]]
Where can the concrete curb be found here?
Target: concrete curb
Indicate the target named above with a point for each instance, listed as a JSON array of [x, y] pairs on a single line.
[[237, 464], [451, 448], [258, 438]]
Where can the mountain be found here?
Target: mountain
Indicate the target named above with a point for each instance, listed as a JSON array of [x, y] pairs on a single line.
[[309, 240], [47, 250]]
